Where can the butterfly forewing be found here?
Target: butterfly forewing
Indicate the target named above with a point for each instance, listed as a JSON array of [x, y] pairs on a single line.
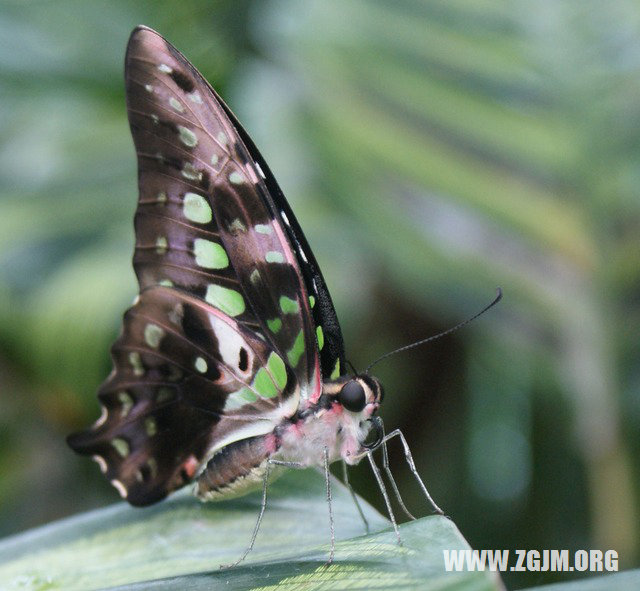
[[205, 220]]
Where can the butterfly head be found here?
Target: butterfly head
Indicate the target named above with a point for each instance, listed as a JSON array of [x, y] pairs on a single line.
[[360, 394], [354, 401]]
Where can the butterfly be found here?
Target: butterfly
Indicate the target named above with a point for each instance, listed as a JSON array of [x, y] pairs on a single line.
[[231, 361]]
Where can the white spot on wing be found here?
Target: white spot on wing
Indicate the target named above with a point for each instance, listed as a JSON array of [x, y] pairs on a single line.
[[260, 170], [164, 68], [195, 97], [236, 178], [176, 105], [104, 413], [101, 462], [229, 343], [122, 491], [201, 365]]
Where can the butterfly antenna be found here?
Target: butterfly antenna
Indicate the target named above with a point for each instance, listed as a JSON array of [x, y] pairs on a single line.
[[353, 369], [439, 335]]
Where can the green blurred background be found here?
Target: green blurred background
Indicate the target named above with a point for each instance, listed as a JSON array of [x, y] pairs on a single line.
[[431, 150]]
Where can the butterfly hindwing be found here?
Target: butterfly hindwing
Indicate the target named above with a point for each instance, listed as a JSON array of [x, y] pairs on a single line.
[[187, 379]]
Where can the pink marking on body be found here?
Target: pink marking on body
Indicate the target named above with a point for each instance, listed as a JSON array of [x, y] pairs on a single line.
[[271, 443], [296, 428], [190, 466]]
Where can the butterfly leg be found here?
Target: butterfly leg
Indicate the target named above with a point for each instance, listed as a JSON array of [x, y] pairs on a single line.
[[345, 478], [392, 480], [263, 506], [383, 490], [327, 479], [412, 465]]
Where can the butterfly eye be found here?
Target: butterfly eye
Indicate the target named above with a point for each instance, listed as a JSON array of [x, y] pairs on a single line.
[[352, 396]]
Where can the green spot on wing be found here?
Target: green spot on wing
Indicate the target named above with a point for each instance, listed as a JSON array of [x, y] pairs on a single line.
[[278, 370], [297, 350], [121, 446], [236, 227], [210, 255], [236, 178], [150, 426], [196, 208], [263, 229], [190, 172], [161, 245], [248, 394], [312, 301], [126, 401], [153, 335], [264, 385], [336, 370], [273, 256], [187, 137], [176, 105], [274, 325], [136, 363], [240, 398], [227, 300], [289, 306], [320, 337]]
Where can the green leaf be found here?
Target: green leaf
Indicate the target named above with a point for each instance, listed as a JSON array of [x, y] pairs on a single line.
[[180, 543]]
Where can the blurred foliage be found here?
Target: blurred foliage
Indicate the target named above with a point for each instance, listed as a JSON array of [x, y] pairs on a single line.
[[431, 150]]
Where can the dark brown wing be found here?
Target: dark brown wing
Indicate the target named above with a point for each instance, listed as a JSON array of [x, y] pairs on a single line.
[[205, 220], [187, 379]]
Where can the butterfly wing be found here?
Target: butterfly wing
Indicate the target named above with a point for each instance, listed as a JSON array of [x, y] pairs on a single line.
[[205, 220], [330, 340], [187, 379], [222, 343]]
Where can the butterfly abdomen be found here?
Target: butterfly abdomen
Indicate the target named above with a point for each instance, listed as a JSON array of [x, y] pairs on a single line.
[[237, 468]]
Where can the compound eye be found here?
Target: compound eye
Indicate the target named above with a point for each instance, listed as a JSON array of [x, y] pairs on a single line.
[[352, 396]]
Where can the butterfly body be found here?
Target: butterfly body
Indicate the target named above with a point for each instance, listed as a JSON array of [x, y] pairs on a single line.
[[239, 467], [231, 357]]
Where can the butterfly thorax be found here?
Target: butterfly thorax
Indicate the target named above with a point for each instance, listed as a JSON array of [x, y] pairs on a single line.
[[339, 421]]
